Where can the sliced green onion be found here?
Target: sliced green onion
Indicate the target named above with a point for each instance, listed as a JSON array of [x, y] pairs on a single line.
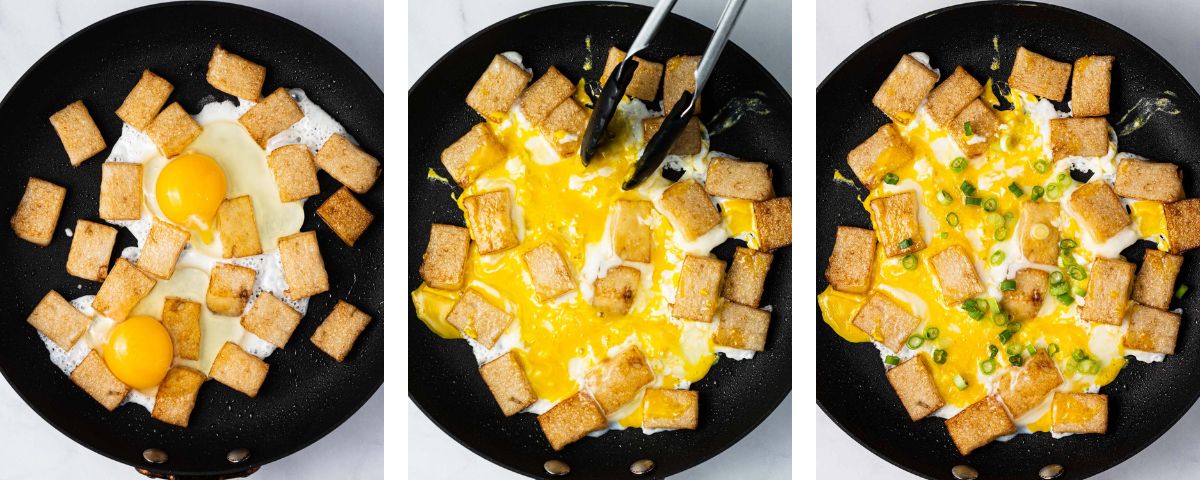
[[969, 304], [1067, 244], [952, 219], [995, 219], [944, 197], [989, 205], [1076, 272], [1056, 277], [993, 306], [1080, 291], [1052, 349], [972, 201], [1052, 191], [1005, 336], [1008, 285], [1016, 360], [932, 333], [1031, 349], [958, 165], [1059, 288], [1078, 354], [1041, 166], [944, 235], [1000, 234], [1066, 299], [1000, 319], [1087, 366], [1013, 349], [1061, 177], [975, 314], [1067, 258], [891, 179], [992, 350], [906, 243], [939, 356], [1016, 189], [909, 262], [1038, 191], [1009, 218], [987, 366], [1014, 326], [967, 188], [891, 360], [1181, 291], [997, 257], [915, 342], [967, 129], [1064, 180], [960, 382]]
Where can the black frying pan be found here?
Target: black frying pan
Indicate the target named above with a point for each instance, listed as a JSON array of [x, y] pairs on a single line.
[[444, 379], [306, 394], [1146, 399]]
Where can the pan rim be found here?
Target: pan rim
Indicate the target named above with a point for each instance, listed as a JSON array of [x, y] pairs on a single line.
[[787, 98], [254, 462], [1174, 419]]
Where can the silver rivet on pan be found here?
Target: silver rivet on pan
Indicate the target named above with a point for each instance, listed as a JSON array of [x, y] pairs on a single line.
[[557, 468], [642, 467], [963, 472], [238, 456], [154, 455], [1050, 471]]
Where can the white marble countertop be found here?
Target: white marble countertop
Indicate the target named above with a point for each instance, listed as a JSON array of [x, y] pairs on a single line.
[[31, 448], [763, 30], [1168, 26]]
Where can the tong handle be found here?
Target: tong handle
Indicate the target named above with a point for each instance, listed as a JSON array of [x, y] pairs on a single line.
[[708, 62], [655, 20], [660, 144]]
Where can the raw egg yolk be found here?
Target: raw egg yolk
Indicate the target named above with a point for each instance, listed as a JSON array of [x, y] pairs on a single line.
[[189, 190], [139, 352]]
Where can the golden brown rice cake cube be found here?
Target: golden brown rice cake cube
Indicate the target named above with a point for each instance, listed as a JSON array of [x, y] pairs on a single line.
[[489, 216], [571, 419], [239, 370], [904, 89], [272, 115], [897, 224], [471, 155], [680, 76], [91, 249], [1026, 300], [173, 130], [271, 319], [295, 172], [58, 320], [1155, 283], [544, 94], [1100, 209], [124, 287], [1183, 224], [956, 274], [337, 334], [506, 380], [229, 288], [979, 424], [690, 209], [668, 408], [850, 262], [93, 376], [564, 127], [878, 155], [1144, 180], [644, 84], [549, 271], [746, 276], [773, 223], [983, 124], [952, 96], [238, 228], [1078, 137], [162, 248], [498, 87], [477, 317], [617, 379], [176, 396], [345, 215], [732, 178], [444, 264], [145, 100], [1039, 75], [37, 214], [303, 267], [344, 161], [615, 291], [742, 327], [699, 288], [915, 386], [78, 132], [631, 236], [1039, 237], [689, 142], [1090, 85], [1109, 284], [121, 191], [182, 319], [884, 320], [233, 74], [1022, 388], [1079, 413], [1152, 330]]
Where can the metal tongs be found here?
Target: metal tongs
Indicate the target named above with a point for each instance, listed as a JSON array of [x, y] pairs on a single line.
[[674, 121]]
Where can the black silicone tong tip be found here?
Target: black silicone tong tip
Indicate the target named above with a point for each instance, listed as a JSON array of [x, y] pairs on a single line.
[[660, 144], [604, 108]]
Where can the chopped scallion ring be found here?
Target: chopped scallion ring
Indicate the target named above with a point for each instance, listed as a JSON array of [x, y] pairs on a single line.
[[909, 262], [1078, 354], [990, 205], [1041, 166], [891, 360], [1031, 349], [1016, 189], [959, 381], [995, 219], [1014, 326], [932, 333], [891, 179], [1066, 299], [952, 219], [1016, 360], [944, 197], [1056, 277], [1038, 191], [906, 243], [1013, 349], [1052, 191], [1008, 285], [958, 165], [914, 342], [997, 257], [1000, 234], [1059, 288], [1181, 291], [1088, 366], [992, 350], [967, 129], [1000, 319], [1005, 336], [1076, 272], [1052, 349], [939, 356], [987, 366], [1067, 244], [967, 188]]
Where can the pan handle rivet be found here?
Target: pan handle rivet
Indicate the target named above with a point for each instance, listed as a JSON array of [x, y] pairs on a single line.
[[557, 468], [154, 455], [1050, 471], [642, 467], [238, 456], [963, 472]]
